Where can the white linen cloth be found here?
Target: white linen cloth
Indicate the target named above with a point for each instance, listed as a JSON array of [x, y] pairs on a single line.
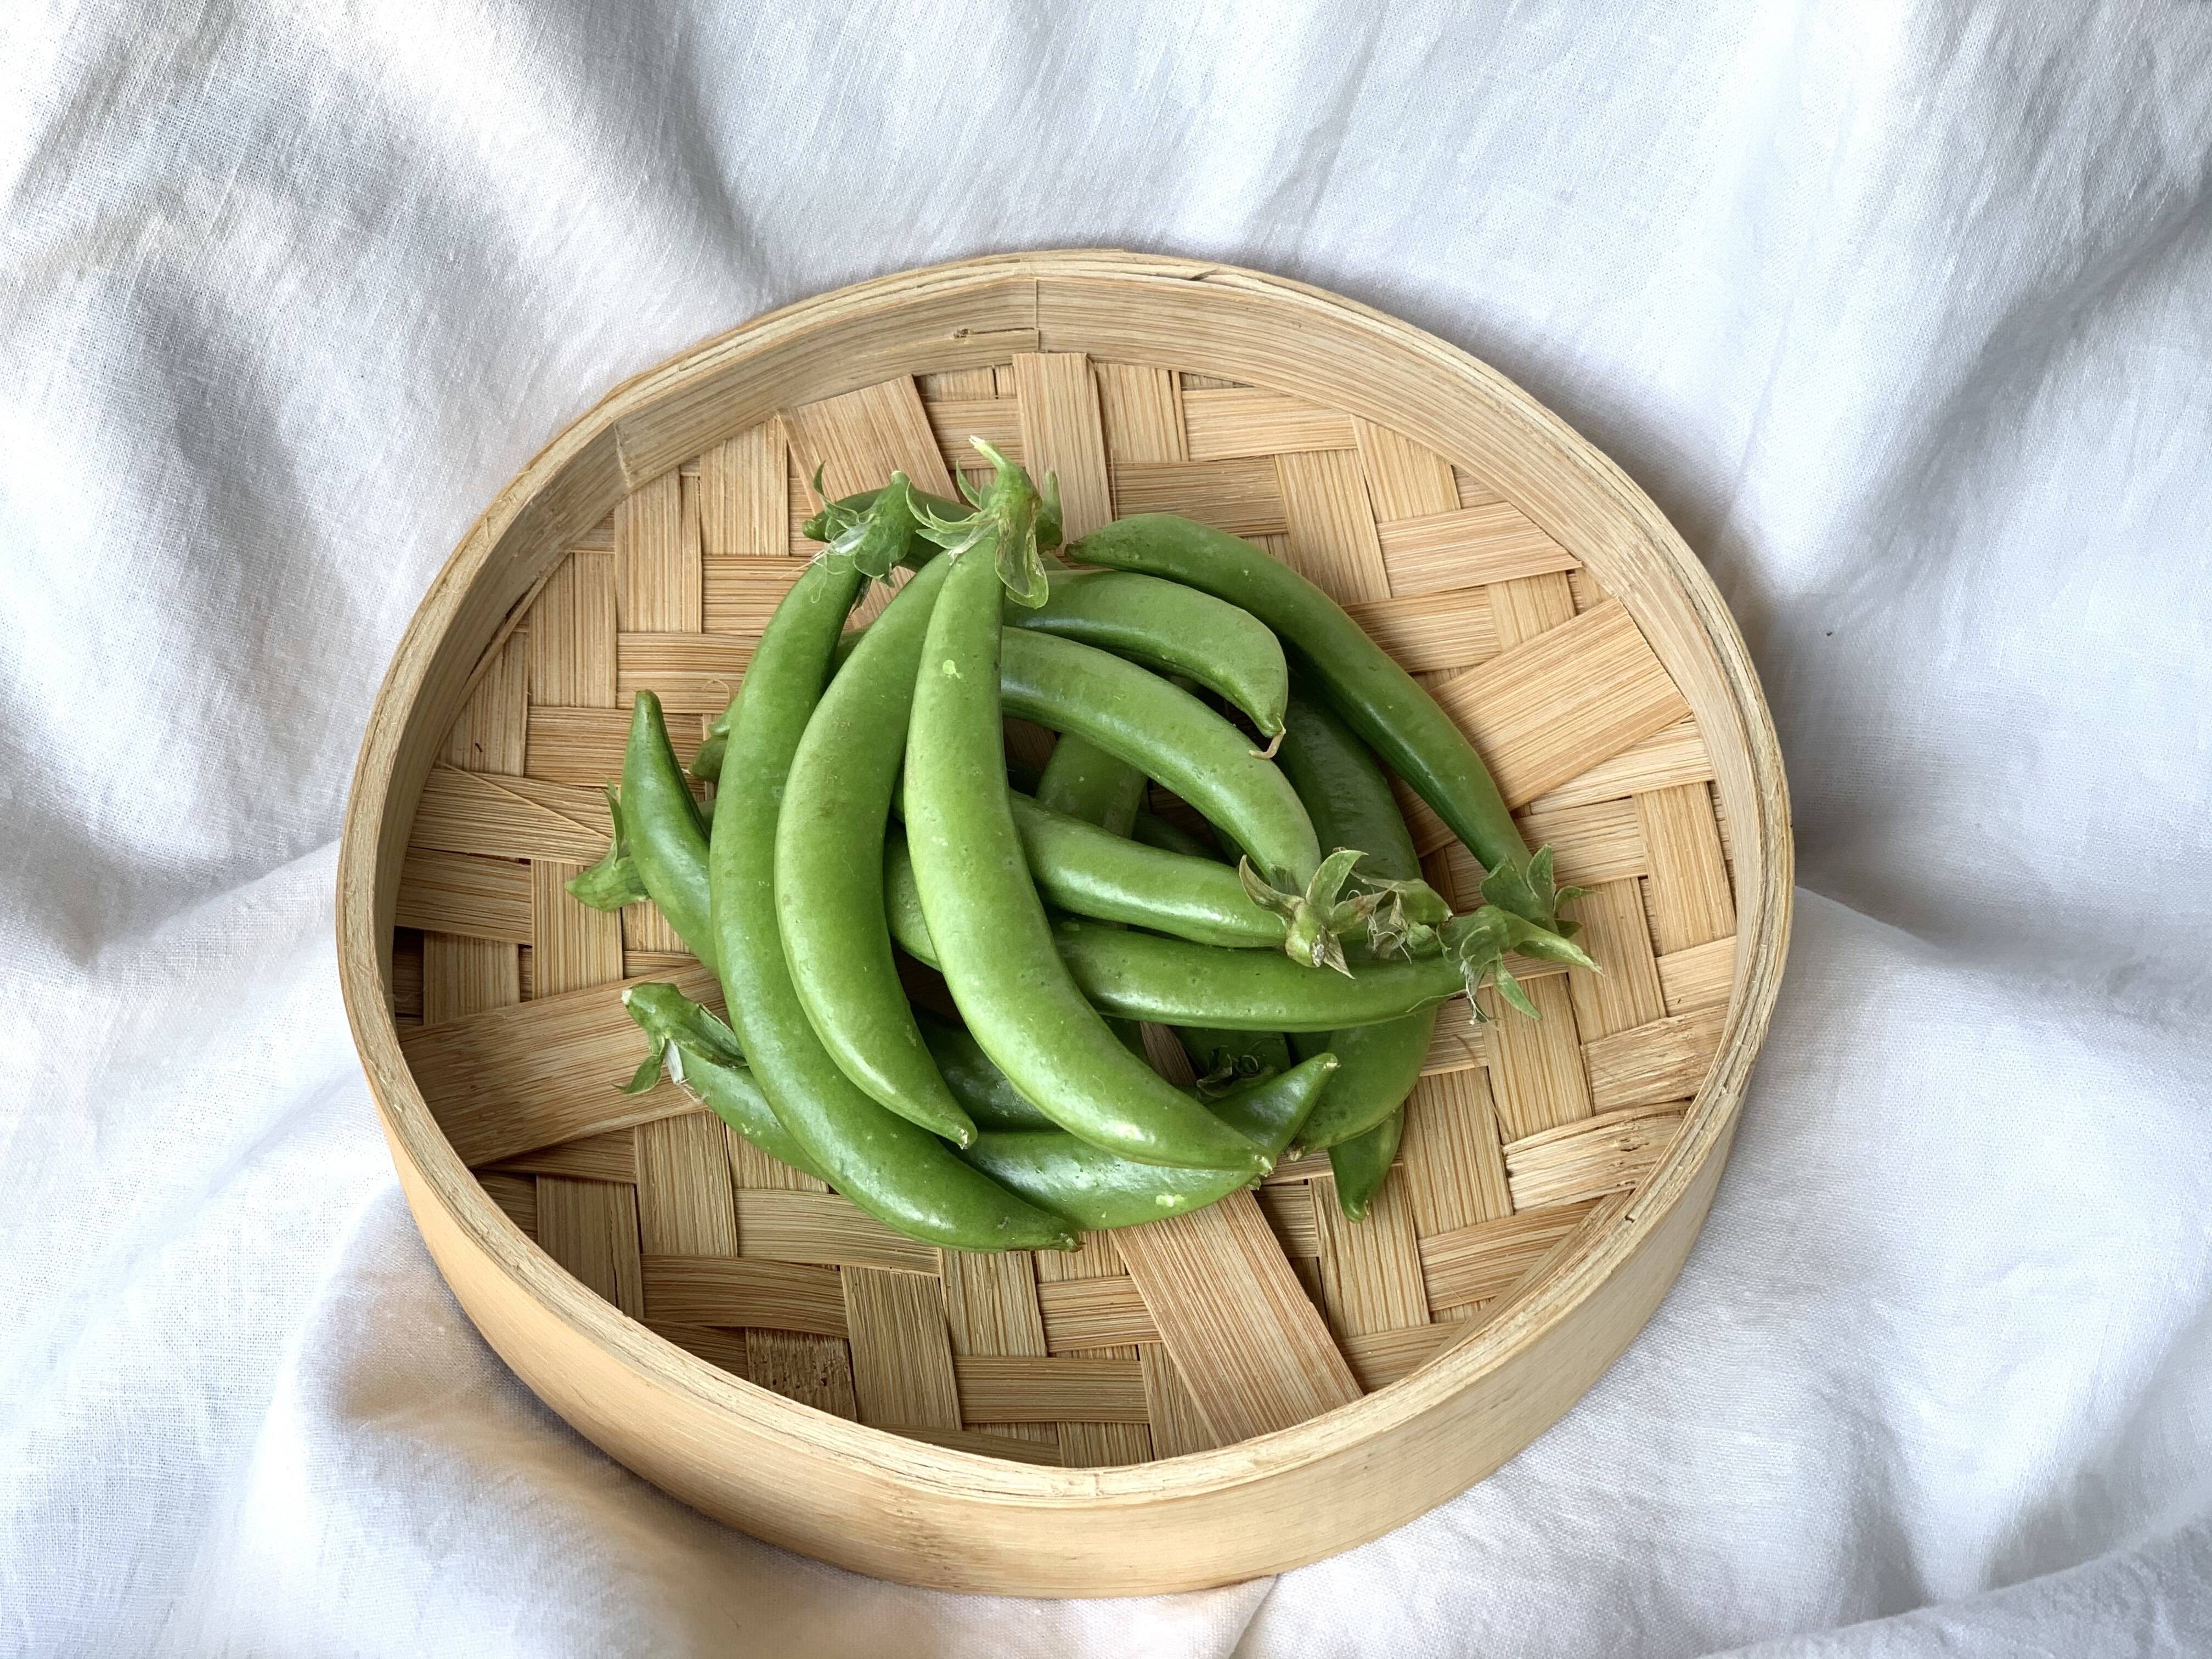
[[1904, 313]]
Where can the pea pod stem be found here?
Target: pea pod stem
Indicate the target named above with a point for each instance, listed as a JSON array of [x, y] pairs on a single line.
[[994, 944], [702, 1053], [897, 1172]]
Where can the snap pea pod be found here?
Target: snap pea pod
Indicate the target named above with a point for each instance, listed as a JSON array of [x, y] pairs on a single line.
[[702, 1053], [1362, 1163], [1088, 871], [1173, 628], [981, 1087], [994, 947], [1082, 780], [900, 1174], [1382, 701], [1166, 733], [829, 866], [1095, 1189], [1138, 975], [1351, 805], [667, 839]]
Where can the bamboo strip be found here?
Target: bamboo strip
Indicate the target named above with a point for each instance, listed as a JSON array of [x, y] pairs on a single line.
[[649, 942], [901, 1355], [453, 893], [815, 1371], [1089, 1315], [1431, 631], [656, 571], [1141, 409], [572, 946], [1626, 995], [1093, 1445], [1475, 1263], [953, 385], [464, 976], [858, 439], [986, 1444], [827, 1230], [1244, 498], [724, 1349], [1427, 830], [684, 1204], [997, 421], [1466, 547], [1664, 1061], [1333, 541], [1288, 1207], [1473, 490], [489, 735], [743, 1292], [1370, 1270], [581, 746], [510, 1078], [1061, 433], [1674, 754], [1604, 1154], [1536, 1064], [742, 594], [751, 1167], [1529, 605], [608, 1156], [1600, 842], [1178, 1428], [1450, 1162], [590, 1227], [509, 818], [1698, 977], [1458, 1045], [742, 495], [571, 635], [1250, 1345], [690, 673], [1690, 901], [1378, 1358], [991, 1306], [1404, 480], [1021, 1389], [407, 974], [1222, 423], [1546, 712], [517, 1195]]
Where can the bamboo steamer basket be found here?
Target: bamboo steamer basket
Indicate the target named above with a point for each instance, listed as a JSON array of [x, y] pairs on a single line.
[[1203, 1400]]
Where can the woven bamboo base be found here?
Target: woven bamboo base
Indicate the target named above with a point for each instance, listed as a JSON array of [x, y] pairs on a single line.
[[1525, 1142]]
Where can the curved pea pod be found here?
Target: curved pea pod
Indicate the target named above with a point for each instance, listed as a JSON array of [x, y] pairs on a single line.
[[1351, 805], [992, 940], [1091, 871], [1130, 975], [1380, 700], [1095, 1189], [1174, 628], [828, 868], [900, 1174], [665, 834], [1082, 780], [980, 1087], [702, 1053], [1362, 1163], [1164, 734]]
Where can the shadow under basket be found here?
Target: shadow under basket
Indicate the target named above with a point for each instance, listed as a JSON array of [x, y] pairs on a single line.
[[1203, 1399]]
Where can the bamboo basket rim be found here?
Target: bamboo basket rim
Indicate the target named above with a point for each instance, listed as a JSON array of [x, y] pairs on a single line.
[[363, 927]]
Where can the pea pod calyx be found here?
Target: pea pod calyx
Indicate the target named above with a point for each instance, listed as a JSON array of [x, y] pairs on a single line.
[[1011, 518], [613, 882]]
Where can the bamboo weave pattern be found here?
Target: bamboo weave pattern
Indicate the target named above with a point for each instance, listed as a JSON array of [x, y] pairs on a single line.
[[1186, 1334]]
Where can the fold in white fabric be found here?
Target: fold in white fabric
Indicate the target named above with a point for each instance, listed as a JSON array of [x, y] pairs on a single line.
[[1904, 313]]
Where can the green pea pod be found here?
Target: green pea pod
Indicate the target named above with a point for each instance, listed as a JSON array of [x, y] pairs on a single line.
[[829, 865], [1082, 780], [1137, 975], [1156, 831], [702, 1053], [667, 839], [1173, 628], [1168, 734], [994, 947], [1380, 700], [1089, 872], [1351, 805], [900, 1174], [1362, 1163], [981, 1087], [1095, 1189]]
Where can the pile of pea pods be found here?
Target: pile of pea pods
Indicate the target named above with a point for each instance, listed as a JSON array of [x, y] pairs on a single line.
[[863, 809]]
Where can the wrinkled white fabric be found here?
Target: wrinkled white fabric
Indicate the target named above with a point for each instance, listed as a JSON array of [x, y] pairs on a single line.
[[1902, 311]]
